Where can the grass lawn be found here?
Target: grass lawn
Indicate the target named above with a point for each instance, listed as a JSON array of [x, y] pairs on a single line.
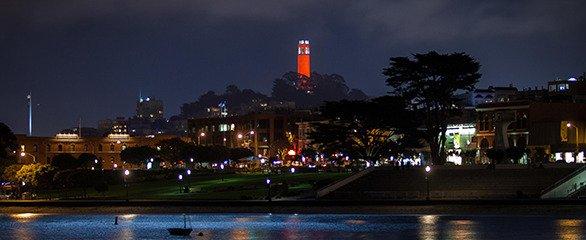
[[230, 187]]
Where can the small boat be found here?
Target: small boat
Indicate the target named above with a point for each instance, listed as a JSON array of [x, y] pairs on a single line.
[[181, 231]]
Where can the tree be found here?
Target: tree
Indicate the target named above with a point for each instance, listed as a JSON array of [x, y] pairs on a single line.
[[173, 150], [138, 155], [238, 153], [9, 172], [87, 160], [34, 175], [8, 144], [428, 83], [361, 129], [64, 161]]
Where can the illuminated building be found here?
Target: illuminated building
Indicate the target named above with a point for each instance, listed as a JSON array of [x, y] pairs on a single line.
[[303, 58], [262, 132], [149, 108], [304, 66], [107, 149]]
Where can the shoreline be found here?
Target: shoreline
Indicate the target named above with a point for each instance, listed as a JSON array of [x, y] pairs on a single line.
[[563, 208]]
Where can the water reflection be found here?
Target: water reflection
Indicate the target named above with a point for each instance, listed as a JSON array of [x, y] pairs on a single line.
[[239, 234], [25, 217], [569, 229], [428, 227], [462, 229], [289, 226]]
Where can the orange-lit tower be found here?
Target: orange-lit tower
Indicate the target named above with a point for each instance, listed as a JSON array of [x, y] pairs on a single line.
[[303, 64]]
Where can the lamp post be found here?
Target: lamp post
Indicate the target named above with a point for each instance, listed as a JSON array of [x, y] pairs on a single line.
[[268, 182], [180, 178], [222, 171], [199, 137], [126, 173], [188, 183], [24, 154], [427, 171], [570, 125]]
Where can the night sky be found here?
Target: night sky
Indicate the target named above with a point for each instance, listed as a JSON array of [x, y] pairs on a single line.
[[90, 59]]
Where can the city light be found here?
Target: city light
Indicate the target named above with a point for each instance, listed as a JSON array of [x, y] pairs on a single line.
[[22, 154], [427, 169], [239, 136], [292, 170], [268, 181], [180, 177], [126, 172], [188, 172], [291, 152], [202, 134]]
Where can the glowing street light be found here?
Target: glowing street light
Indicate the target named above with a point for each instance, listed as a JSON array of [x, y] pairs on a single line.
[[570, 125], [268, 182], [188, 172], [222, 173], [239, 136], [23, 154], [427, 171], [292, 170], [126, 173]]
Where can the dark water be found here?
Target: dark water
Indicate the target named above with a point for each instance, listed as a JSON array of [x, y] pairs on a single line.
[[291, 226]]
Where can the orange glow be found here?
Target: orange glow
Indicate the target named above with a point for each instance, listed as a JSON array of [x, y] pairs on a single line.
[[303, 58]]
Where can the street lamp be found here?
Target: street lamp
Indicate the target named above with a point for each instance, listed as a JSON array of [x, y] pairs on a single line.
[[570, 125], [268, 182], [222, 172], [201, 135], [24, 154], [180, 177], [427, 171], [126, 173]]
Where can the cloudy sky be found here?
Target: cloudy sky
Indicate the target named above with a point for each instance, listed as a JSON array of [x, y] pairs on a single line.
[[90, 59]]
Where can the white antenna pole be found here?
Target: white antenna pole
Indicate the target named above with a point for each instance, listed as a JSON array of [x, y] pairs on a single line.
[[30, 114]]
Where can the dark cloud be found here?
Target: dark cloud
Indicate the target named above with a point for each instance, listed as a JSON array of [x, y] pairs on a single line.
[[91, 58]]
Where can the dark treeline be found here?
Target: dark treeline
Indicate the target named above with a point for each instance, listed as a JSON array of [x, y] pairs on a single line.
[[324, 87]]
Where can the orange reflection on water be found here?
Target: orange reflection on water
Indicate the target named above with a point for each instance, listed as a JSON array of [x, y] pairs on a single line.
[[25, 217], [462, 229], [239, 234], [569, 229], [428, 229]]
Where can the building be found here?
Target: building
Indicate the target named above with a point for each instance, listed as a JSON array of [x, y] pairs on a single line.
[[149, 108], [304, 66], [107, 149], [266, 133], [558, 128], [303, 58]]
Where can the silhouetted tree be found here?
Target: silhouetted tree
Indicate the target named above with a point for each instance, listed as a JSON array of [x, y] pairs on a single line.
[[87, 160], [138, 155], [428, 83], [64, 161], [173, 150], [365, 129], [8, 144], [238, 153]]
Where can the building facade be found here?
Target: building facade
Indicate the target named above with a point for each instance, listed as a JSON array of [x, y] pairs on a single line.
[[107, 149]]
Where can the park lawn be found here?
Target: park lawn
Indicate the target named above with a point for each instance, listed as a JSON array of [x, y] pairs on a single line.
[[231, 187]]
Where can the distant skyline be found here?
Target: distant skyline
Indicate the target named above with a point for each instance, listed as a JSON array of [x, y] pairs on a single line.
[[91, 59]]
